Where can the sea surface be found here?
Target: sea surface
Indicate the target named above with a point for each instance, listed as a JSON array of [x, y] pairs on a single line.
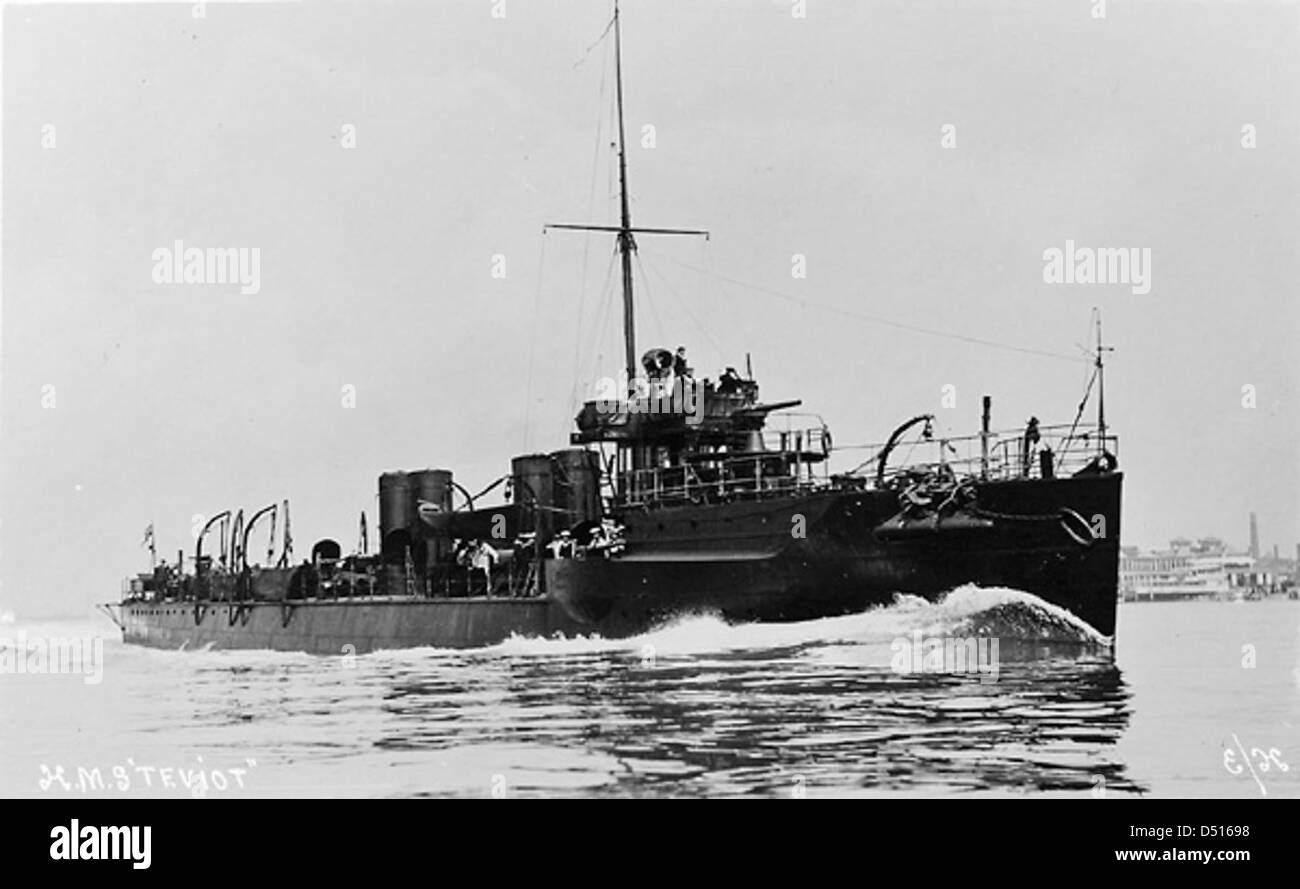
[[1195, 699]]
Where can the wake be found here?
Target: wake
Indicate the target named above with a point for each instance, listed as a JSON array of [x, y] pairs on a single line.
[[1011, 615]]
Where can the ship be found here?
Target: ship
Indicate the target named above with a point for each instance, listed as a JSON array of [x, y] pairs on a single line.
[[1205, 569], [674, 496]]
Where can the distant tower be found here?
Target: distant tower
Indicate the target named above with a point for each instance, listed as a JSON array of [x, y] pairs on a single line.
[[1254, 537]]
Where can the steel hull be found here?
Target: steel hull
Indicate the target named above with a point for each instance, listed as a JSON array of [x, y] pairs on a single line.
[[745, 562], [341, 626], [780, 559]]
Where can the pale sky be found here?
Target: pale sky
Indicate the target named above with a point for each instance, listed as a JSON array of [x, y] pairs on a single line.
[[818, 136]]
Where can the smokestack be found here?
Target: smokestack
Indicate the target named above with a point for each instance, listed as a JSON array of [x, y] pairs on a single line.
[[1254, 537]]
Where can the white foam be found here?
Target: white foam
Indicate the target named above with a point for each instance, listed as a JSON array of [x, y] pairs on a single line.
[[1015, 613]]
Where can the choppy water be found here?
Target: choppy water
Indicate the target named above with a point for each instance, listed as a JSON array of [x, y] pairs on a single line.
[[697, 708]]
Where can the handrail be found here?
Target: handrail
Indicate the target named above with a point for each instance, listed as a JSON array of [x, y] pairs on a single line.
[[746, 476], [1005, 463], [725, 477]]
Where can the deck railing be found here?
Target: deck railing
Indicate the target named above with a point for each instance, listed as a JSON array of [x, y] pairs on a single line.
[[1010, 454], [790, 461], [783, 468]]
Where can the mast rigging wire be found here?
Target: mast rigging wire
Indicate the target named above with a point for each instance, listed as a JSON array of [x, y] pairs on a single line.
[[875, 319]]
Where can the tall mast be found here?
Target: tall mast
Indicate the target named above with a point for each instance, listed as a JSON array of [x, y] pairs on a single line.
[[626, 243], [624, 230], [1101, 389]]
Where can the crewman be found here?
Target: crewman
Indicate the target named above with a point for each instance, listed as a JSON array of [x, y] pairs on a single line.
[[483, 559], [1027, 447]]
